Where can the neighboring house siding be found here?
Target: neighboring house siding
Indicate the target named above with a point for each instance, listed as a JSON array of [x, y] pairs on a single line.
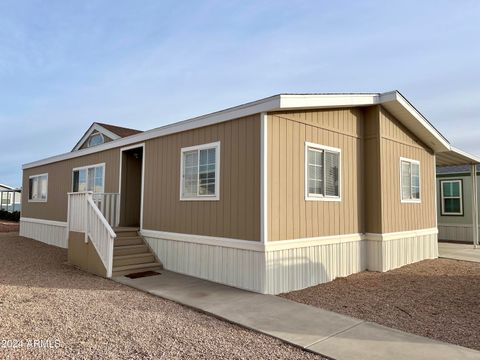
[[237, 213], [456, 227], [60, 183], [290, 216], [396, 141]]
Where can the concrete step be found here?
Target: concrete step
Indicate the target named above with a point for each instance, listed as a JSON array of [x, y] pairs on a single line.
[[131, 269], [126, 231], [143, 258], [130, 250], [124, 241]]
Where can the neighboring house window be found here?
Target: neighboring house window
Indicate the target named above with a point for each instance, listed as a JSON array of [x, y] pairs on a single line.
[[200, 172], [322, 172], [410, 180], [95, 139], [452, 197], [89, 178], [38, 188]]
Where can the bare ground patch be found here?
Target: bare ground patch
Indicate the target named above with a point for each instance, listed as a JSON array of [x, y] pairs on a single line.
[[439, 299]]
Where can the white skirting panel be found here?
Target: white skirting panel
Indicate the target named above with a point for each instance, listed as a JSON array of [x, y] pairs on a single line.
[[283, 266], [455, 232], [226, 265], [48, 232], [301, 267], [391, 253]]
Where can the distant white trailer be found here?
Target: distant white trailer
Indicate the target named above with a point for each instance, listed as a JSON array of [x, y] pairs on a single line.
[[10, 198]]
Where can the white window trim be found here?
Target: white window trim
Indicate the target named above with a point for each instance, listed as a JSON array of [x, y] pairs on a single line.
[[88, 167], [411, 201], [215, 197], [37, 200], [444, 213], [92, 135], [314, 197]]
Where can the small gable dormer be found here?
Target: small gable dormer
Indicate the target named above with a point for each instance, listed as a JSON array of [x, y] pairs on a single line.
[[99, 133]]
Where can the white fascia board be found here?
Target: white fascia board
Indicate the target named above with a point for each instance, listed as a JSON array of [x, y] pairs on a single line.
[[327, 100], [465, 155], [91, 129]]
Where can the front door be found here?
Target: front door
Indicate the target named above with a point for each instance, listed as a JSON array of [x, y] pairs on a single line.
[[131, 187]]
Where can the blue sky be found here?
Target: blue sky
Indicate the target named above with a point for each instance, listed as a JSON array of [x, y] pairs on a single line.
[[142, 64]]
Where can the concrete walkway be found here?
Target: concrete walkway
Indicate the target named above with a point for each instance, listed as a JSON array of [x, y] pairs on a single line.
[[327, 333], [458, 252]]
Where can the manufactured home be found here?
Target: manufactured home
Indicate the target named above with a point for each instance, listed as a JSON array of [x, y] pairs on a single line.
[[458, 205], [270, 196], [10, 198]]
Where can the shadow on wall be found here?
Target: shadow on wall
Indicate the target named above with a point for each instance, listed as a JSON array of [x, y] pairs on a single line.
[[304, 267]]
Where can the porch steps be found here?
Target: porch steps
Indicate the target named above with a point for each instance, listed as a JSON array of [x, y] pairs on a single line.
[[125, 241], [130, 250], [134, 259], [131, 254]]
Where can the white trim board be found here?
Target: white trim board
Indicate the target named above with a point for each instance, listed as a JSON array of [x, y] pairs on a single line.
[[393, 101], [401, 234], [264, 178], [45, 222], [255, 245], [456, 225]]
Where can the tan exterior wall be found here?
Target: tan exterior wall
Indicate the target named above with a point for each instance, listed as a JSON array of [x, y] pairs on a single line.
[[373, 180], [60, 183], [372, 142], [396, 141], [84, 255], [237, 213], [290, 216]]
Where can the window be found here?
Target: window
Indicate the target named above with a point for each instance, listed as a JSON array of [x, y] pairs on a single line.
[[322, 172], [89, 178], [200, 175], [452, 197], [410, 180], [38, 188], [95, 139]]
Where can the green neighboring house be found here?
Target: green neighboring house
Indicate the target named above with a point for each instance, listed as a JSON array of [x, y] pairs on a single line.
[[454, 203]]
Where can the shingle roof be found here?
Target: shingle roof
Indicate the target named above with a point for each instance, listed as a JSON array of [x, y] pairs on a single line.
[[120, 131], [455, 169]]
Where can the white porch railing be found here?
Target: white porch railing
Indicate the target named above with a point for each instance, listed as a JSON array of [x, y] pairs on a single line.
[[109, 205], [85, 216]]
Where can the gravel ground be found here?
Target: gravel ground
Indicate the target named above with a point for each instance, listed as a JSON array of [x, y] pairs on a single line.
[[439, 299], [43, 298]]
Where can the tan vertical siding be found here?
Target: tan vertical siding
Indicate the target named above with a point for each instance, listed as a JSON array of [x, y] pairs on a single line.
[[237, 213], [396, 142], [372, 171], [60, 183], [290, 216]]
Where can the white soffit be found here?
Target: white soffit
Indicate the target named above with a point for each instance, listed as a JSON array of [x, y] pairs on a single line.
[[456, 157], [393, 101]]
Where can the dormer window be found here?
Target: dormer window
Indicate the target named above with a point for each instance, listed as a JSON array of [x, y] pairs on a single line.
[[95, 139]]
